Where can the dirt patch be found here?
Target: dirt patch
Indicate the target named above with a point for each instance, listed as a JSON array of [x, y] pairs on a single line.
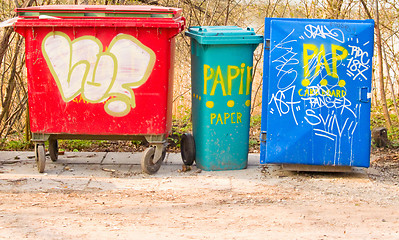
[[386, 163], [256, 203]]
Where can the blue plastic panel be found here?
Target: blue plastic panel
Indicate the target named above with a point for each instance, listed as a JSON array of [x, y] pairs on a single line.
[[316, 97]]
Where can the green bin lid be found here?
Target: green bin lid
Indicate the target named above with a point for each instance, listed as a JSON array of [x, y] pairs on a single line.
[[224, 35], [99, 11]]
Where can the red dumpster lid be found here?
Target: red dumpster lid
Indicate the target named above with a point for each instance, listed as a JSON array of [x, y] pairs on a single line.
[[99, 11], [100, 16]]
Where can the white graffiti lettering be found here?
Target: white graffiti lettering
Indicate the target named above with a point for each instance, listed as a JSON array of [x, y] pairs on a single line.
[[323, 32], [285, 63], [358, 63], [284, 102]]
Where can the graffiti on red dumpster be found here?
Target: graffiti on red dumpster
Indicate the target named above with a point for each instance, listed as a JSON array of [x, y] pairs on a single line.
[[81, 68]]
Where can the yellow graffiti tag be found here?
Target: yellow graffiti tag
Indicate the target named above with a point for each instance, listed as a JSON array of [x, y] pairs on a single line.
[[325, 93], [312, 52], [215, 79], [226, 118]]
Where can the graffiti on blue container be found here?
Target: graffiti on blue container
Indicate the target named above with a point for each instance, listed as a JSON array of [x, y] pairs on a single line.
[[312, 67]]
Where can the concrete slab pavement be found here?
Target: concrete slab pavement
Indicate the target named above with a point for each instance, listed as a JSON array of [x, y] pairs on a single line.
[[112, 171]]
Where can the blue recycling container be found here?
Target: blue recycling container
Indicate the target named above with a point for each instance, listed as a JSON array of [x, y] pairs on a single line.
[[221, 77], [317, 92]]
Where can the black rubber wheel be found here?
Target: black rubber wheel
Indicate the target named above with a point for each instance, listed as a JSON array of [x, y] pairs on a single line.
[[187, 145], [53, 149], [40, 157], [148, 165]]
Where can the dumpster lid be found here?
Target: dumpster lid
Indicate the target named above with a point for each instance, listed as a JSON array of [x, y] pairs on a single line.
[[98, 11], [224, 35]]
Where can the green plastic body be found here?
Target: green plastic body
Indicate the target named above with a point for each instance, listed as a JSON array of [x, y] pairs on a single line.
[[221, 77]]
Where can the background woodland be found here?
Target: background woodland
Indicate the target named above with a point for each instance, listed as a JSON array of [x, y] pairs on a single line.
[[14, 116]]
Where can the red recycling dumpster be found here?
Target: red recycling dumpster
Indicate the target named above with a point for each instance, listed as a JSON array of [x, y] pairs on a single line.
[[100, 72]]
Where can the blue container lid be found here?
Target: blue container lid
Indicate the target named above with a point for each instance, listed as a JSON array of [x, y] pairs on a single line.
[[224, 35]]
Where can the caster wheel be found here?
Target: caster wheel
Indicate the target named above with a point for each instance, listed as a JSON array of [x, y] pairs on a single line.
[[148, 165], [53, 149], [40, 156], [187, 149]]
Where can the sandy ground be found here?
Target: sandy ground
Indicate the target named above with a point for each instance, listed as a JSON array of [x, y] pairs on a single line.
[[105, 196]]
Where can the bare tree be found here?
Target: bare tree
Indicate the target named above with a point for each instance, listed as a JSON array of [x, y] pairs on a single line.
[[380, 61], [241, 13], [334, 9]]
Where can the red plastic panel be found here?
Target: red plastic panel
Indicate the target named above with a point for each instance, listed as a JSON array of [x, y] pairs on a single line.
[[99, 81]]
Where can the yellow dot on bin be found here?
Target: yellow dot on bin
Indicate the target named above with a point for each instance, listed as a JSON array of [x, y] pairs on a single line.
[[199, 98], [196, 96], [341, 83], [242, 65], [248, 103], [323, 82], [305, 82], [230, 103], [209, 104]]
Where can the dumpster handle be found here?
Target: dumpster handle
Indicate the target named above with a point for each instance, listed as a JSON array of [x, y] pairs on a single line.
[[184, 24], [267, 44], [263, 136], [361, 90]]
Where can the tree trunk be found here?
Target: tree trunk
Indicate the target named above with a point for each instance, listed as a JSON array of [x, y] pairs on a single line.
[[381, 68], [11, 82], [380, 62], [391, 83], [5, 42]]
